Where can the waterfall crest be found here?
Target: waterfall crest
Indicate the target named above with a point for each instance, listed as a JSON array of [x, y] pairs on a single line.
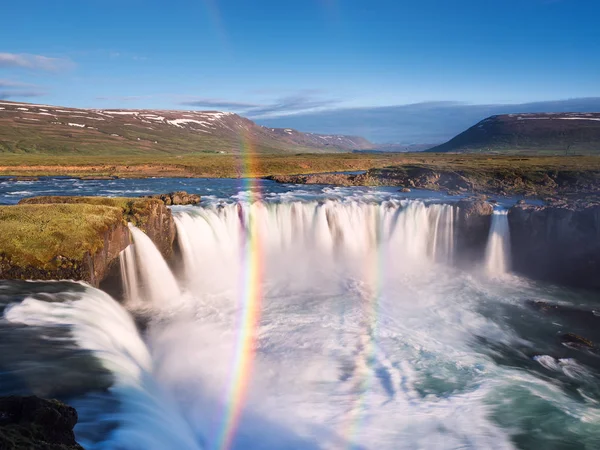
[[497, 255], [296, 233]]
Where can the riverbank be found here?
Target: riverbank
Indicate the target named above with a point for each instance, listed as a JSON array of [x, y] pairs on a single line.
[[382, 169], [189, 166], [555, 179]]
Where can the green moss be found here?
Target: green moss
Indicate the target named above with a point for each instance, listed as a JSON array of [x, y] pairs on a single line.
[[134, 210], [36, 235]]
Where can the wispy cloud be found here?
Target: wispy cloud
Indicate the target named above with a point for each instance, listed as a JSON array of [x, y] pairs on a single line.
[[7, 95], [220, 104], [34, 62], [300, 102], [124, 98], [292, 104], [15, 89]]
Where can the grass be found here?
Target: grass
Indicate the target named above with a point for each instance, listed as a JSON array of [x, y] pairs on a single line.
[[199, 165], [134, 210], [34, 235], [39, 229], [233, 166], [528, 175]]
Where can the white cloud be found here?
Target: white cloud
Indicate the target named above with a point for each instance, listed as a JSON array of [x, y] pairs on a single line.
[[34, 62]]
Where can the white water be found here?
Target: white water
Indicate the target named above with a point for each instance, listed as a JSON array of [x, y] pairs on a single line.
[[497, 255], [129, 275], [157, 282], [300, 241], [367, 336], [148, 418]]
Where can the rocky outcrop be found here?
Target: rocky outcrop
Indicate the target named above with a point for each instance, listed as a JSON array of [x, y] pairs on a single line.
[[77, 238], [337, 179], [35, 423], [157, 222], [177, 198], [473, 226], [93, 267], [557, 244]]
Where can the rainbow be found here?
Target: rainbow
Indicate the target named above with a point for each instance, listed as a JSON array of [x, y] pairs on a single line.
[[252, 276], [355, 418]]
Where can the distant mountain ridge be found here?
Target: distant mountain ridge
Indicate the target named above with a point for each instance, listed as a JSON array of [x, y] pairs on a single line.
[[31, 128], [549, 133], [418, 123]]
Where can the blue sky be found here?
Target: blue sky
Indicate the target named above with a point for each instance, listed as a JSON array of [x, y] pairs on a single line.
[[268, 58]]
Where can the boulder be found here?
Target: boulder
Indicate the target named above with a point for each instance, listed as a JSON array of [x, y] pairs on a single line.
[[177, 198], [35, 423], [574, 340]]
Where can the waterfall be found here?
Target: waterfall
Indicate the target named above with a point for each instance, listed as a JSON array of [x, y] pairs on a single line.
[[296, 233], [129, 274], [157, 282], [146, 417], [497, 255]]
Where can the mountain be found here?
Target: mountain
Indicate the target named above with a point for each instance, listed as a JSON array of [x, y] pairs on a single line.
[[561, 133], [418, 123], [29, 128]]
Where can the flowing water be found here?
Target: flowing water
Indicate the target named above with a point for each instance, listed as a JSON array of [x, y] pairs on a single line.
[[497, 255], [315, 318]]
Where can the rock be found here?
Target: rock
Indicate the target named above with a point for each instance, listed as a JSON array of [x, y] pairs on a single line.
[[475, 207], [584, 317], [98, 177], [558, 243], [574, 340], [472, 229], [23, 179], [521, 202], [101, 247], [177, 198], [405, 189], [35, 423]]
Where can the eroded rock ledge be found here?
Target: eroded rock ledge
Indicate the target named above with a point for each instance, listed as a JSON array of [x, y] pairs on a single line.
[[480, 179], [177, 198], [555, 243], [78, 238], [560, 244]]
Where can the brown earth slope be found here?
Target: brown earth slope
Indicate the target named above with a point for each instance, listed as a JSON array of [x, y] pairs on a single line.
[[42, 129]]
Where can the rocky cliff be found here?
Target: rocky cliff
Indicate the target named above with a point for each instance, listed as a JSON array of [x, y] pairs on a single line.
[[79, 238], [557, 244]]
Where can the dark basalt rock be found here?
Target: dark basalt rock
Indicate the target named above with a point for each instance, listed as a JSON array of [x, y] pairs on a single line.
[[473, 227], [35, 423], [23, 179], [177, 198], [574, 340], [559, 244]]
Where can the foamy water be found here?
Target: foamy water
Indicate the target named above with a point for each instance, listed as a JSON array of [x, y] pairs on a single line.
[[368, 337]]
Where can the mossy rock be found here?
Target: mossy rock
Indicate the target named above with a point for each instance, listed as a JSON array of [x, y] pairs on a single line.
[[50, 236]]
